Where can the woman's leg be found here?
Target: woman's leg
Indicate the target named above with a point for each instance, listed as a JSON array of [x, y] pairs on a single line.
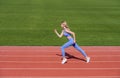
[[82, 51], [69, 43], [79, 49]]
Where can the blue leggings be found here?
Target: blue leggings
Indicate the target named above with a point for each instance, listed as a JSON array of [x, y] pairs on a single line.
[[75, 45]]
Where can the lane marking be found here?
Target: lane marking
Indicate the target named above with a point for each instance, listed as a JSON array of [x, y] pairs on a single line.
[[60, 69], [55, 56], [57, 62], [60, 77], [41, 50]]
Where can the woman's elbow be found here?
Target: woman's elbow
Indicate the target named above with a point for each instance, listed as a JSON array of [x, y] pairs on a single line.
[[73, 33], [60, 36]]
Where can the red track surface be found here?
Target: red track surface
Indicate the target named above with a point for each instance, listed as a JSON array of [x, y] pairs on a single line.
[[45, 62]]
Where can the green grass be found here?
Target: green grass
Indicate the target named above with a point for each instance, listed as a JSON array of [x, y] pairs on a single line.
[[31, 22]]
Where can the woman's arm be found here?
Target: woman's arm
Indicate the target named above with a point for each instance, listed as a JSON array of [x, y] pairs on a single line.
[[59, 35], [69, 31]]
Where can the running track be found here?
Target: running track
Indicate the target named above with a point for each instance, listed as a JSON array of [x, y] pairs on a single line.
[[45, 62]]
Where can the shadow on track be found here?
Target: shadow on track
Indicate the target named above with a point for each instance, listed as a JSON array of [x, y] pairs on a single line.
[[69, 56]]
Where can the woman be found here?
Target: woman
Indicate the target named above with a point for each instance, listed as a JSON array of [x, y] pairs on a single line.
[[71, 41]]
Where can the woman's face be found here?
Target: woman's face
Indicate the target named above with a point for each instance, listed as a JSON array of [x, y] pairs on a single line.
[[63, 24]]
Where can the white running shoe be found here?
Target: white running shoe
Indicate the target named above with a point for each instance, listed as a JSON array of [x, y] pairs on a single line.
[[87, 59], [64, 61]]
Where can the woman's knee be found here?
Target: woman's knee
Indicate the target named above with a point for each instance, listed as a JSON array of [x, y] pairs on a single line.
[[62, 48]]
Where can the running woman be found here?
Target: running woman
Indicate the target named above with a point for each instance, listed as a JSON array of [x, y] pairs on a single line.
[[71, 41]]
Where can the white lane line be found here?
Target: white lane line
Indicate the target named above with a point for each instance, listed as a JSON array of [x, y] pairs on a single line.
[[57, 62], [60, 69], [60, 77], [54, 56], [56, 50]]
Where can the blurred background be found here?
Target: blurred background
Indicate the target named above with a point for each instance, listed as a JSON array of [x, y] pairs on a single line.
[[31, 22]]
